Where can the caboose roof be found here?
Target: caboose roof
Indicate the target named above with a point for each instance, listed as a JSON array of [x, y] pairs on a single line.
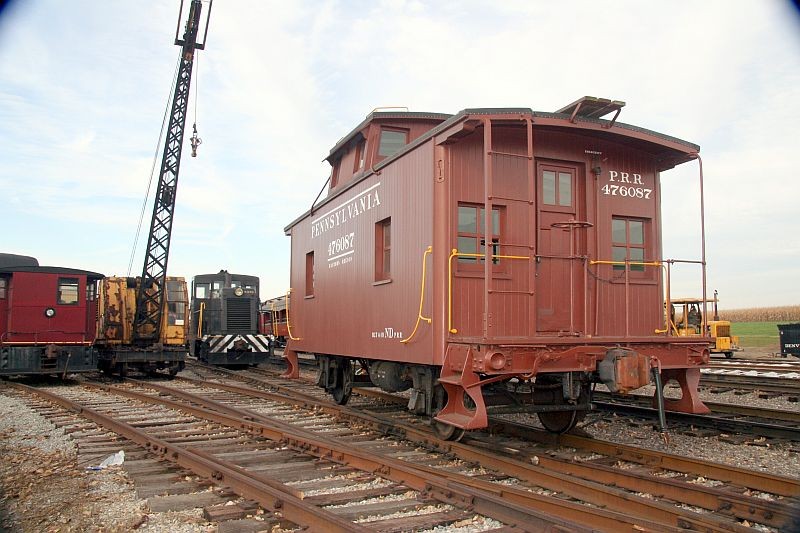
[[383, 115], [668, 151], [51, 270]]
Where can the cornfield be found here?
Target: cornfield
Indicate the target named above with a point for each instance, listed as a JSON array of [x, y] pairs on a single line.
[[786, 313]]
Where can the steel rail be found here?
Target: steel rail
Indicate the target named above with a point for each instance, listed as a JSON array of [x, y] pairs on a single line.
[[242, 482], [441, 488], [762, 383], [561, 479], [762, 365], [723, 408], [716, 408], [750, 427]]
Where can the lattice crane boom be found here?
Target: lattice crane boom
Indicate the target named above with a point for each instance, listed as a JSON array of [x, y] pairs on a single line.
[[151, 292]]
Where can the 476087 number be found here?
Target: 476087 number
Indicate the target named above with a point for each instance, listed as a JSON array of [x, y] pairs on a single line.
[[624, 190]]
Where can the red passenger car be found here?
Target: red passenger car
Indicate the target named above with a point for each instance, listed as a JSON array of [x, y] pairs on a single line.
[[48, 317], [491, 257], [273, 320]]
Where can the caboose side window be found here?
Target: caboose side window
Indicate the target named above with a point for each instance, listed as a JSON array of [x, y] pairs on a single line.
[[335, 172], [310, 274], [383, 250], [360, 151], [67, 291], [2, 288], [627, 242], [392, 140], [471, 238]]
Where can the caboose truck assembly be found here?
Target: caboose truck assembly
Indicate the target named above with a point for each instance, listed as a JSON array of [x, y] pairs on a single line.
[[47, 318], [225, 320], [494, 260], [134, 329]]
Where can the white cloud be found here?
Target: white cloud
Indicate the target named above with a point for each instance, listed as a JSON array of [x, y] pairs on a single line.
[[83, 87]]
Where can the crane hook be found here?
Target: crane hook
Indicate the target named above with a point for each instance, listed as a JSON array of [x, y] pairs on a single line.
[[195, 140]]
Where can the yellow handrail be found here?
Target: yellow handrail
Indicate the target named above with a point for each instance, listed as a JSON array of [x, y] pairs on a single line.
[[456, 253], [667, 321], [200, 321], [274, 320], [428, 250], [288, 326], [637, 263]]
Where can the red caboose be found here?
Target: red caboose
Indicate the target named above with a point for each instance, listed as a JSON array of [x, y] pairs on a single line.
[[493, 256], [48, 317]]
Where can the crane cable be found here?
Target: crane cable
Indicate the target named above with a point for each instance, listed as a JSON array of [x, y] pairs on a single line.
[[153, 168], [195, 141]]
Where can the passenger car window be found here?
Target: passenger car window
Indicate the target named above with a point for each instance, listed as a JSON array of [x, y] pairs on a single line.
[[67, 291]]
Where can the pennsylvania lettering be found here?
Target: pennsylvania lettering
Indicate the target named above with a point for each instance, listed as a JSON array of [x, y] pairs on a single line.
[[346, 212]]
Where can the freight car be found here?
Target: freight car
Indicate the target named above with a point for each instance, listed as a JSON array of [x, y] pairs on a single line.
[[225, 319], [47, 318], [493, 260], [273, 320]]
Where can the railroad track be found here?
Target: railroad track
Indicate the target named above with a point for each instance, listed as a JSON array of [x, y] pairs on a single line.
[[288, 469], [599, 490], [728, 418], [634, 470]]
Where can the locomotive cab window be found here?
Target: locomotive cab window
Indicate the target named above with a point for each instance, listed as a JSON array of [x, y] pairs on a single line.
[[471, 234], [67, 291], [628, 242], [202, 290], [3, 285], [392, 140], [383, 250], [176, 303]]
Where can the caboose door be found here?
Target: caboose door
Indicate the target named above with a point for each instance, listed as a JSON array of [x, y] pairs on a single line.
[[560, 237]]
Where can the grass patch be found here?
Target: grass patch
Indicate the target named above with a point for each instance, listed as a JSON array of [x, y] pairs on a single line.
[[757, 334]]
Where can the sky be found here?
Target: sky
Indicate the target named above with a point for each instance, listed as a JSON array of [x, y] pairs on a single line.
[[84, 86]]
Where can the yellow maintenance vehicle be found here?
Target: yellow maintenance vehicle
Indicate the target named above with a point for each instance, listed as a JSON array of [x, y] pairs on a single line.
[[689, 323], [117, 339]]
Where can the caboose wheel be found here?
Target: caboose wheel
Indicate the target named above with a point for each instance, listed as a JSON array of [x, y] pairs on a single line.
[[344, 382], [549, 393], [442, 430], [728, 355], [560, 421]]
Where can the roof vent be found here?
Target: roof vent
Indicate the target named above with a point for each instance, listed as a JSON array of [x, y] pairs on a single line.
[[592, 107]]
